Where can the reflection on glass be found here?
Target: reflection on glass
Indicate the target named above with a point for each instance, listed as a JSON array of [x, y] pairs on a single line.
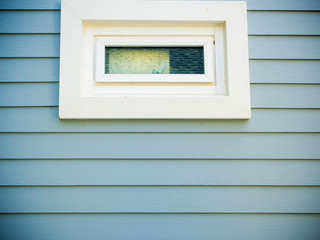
[[154, 60]]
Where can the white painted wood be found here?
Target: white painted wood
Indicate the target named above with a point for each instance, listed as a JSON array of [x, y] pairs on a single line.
[[174, 34], [81, 99], [195, 11], [220, 61]]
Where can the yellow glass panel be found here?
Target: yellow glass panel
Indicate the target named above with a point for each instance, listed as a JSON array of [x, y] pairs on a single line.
[[138, 61]]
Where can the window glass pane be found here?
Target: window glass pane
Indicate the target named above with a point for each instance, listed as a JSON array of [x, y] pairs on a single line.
[[154, 60]]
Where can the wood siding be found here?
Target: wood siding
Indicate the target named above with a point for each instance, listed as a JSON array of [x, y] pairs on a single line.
[[162, 179]]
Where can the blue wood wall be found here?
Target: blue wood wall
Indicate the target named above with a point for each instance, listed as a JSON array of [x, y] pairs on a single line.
[[168, 179]]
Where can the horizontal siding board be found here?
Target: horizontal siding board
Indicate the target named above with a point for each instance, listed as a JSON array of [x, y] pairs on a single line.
[[160, 199], [259, 23], [285, 96], [159, 172], [29, 45], [29, 70], [45, 119], [274, 47], [262, 95], [284, 71], [25, 94], [281, 47], [283, 5], [30, 22], [160, 145], [160, 226], [30, 4], [310, 5], [283, 23], [261, 71]]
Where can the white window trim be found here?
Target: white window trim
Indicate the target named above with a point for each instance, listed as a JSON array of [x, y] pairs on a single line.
[[77, 102], [154, 41]]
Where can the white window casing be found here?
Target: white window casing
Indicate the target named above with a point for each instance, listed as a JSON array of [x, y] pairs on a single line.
[[89, 26]]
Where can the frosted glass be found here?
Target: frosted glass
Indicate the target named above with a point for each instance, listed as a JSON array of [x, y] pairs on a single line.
[[154, 60]]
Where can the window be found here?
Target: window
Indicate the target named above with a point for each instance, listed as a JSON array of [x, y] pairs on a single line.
[[154, 60], [132, 61], [116, 57]]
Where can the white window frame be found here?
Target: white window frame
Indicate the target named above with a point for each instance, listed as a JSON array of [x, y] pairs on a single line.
[[155, 41], [84, 96]]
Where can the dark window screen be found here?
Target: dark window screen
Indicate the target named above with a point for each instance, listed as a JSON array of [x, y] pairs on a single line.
[[154, 60]]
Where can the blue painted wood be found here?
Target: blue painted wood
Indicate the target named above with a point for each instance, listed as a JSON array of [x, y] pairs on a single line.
[[283, 23], [43, 119], [284, 71], [160, 199], [159, 172], [285, 96], [160, 226], [311, 5], [29, 69], [160, 146], [261, 71], [283, 5], [26, 94], [30, 4], [274, 47], [280, 47], [32, 45], [30, 22], [262, 95]]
